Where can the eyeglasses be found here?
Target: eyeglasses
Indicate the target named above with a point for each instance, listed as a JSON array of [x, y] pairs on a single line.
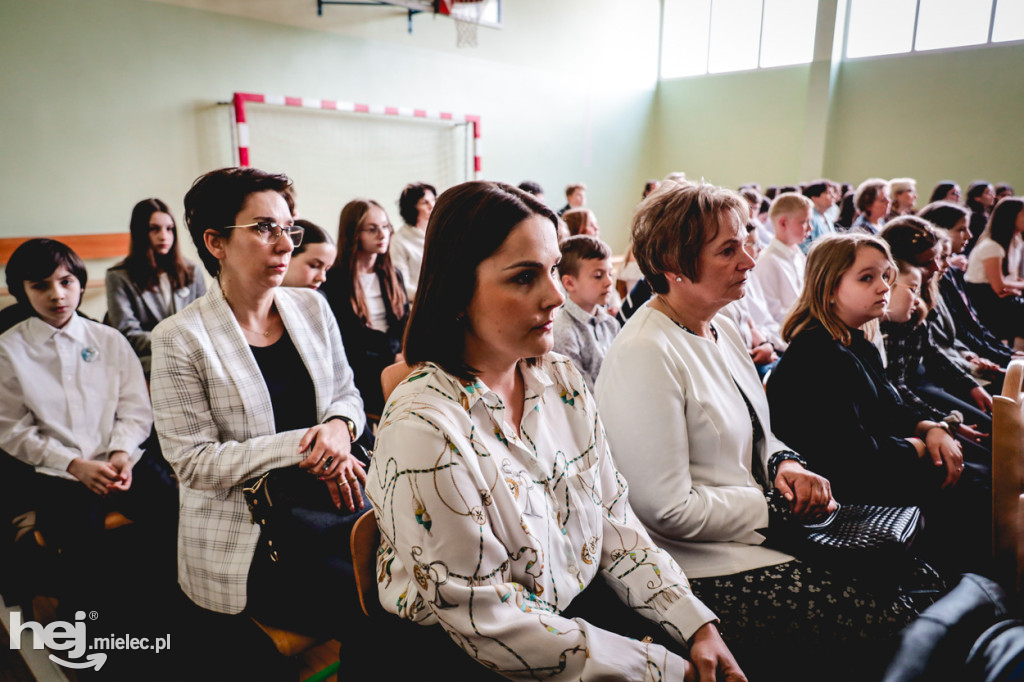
[[377, 230], [270, 232]]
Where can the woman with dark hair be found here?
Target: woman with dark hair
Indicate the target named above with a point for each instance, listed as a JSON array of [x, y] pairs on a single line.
[[249, 378], [993, 284], [848, 212], [493, 487], [312, 258], [946, 190], [953, 218], [367, 295], [414, 205], [154, 281], [981, 197], [872, 200]]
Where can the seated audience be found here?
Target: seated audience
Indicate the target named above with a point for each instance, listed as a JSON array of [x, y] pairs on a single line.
[[872, 201], [946, 190], [780, 267], [74, 407], [993, 285], [969, 328], [848, 212], [249, 378], [583, 329], [744, 313], [581, 221], [754, 200], [575, 197], [904, 196], [1004, 189], [687, 420], [367, 295], [154, 281], [981, 197], [312, 258], [649, 187], [820, 194], [415, 204], [916, 365], [497, 500], [831, 401]]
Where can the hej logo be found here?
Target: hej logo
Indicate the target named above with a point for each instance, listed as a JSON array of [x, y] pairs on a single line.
[[58, 636]]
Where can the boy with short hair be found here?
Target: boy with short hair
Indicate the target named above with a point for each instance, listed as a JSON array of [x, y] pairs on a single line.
[[780, 268], [820, 194], [583, 329], [575, 197], [73, 406]]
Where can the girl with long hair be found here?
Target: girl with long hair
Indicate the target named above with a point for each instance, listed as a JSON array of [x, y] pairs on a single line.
[[154, 281], [367, 294]]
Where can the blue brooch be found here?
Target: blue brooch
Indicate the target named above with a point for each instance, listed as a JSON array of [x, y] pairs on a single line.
[[90, 354]]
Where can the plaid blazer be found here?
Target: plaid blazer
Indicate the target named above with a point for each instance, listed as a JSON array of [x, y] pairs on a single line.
[[215, 421]]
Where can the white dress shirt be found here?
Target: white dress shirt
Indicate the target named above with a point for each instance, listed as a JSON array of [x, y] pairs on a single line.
[[681, 435], [406, 252], [76, 392], [761, 316], [780, 272], [216, 425], [493, 535]]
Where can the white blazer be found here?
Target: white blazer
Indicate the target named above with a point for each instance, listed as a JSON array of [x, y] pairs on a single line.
[[216, 425]]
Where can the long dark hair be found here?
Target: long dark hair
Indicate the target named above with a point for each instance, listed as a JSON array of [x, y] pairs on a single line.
[[352, 216], [143, 264], [1002, 225], [469, 223], [975, 190]]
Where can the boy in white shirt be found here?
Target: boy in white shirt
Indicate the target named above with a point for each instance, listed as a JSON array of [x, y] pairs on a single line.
[[74, 406], [583, 329], [780, 268]]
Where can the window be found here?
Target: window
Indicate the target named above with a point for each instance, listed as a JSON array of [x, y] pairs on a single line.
[[718, 36], [878, 27]]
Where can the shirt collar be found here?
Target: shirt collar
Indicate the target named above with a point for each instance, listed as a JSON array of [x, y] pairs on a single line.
[[39, 332], [579, 314], [536, 380]]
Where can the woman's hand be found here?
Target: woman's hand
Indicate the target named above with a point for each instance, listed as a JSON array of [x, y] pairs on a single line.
[[986, 365], [809, 495], [945, 451], [763, 354], [330, 458], [982, 399], [122, 462], [712, 657], [97, 476], [971, 432]]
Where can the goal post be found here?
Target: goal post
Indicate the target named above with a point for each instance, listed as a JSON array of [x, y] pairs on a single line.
[[336, 151]]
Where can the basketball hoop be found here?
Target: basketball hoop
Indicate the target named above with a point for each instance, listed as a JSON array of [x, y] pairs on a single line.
[[467, 15]]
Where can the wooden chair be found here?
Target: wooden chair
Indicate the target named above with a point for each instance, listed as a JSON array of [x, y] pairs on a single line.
[[392, 376], [365, 539], [1008, 481]]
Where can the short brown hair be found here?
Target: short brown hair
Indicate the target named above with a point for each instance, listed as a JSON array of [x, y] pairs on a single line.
[[580, 247], [828, 260], [571, 189], [576, 219], [672, 225]]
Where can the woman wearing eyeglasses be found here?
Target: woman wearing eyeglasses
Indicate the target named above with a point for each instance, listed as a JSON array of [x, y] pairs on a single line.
[[367, 295], [249, 378]]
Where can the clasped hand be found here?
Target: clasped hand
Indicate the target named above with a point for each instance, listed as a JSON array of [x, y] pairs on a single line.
[[330, 459], [809, 495]]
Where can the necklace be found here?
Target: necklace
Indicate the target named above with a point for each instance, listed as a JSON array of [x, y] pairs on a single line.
[[676, 317], [265, 334]]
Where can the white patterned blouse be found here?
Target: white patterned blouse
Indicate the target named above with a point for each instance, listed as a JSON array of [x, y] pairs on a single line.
[[492, 534]]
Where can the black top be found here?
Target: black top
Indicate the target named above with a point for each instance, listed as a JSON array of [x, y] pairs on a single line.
[[833, 405], [969, 328], [292, 393], [368, 350]]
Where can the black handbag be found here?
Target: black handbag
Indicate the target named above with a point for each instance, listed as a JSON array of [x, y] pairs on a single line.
[[296, 514], [852, 535]]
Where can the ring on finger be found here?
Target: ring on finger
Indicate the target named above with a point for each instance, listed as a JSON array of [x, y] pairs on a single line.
[[327, 462], [342, 484], [353, 479]]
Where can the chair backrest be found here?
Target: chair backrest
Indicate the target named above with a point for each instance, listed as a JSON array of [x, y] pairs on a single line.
[[1008, 481], [364, 541], [392, 376]]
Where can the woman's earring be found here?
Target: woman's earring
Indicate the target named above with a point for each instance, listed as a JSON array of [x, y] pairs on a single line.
[[679, 279]]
